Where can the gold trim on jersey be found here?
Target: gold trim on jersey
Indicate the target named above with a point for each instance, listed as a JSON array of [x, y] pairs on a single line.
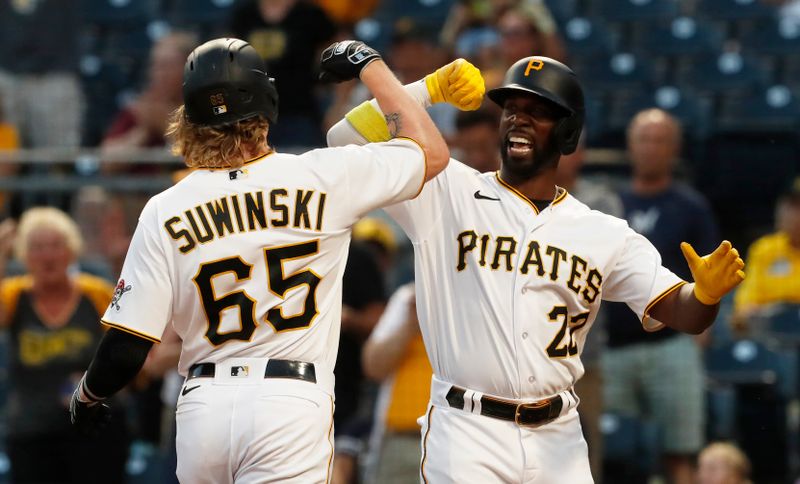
[[425, 447], [259, 158], [655, 301], [561, 193], [424, 164], [130, 331]]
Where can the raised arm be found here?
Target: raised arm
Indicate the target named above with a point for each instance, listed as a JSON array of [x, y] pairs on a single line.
[[458, 83], [693, 307], [403, 117]]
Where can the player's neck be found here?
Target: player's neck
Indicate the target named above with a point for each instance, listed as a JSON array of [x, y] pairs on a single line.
[[539, 187]]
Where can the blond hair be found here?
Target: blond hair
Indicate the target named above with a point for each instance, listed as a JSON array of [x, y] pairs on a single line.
[[215, 147], [49, 218], [729, 453]]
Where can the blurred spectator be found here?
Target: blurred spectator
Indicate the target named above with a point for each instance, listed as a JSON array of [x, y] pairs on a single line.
[[363, 302], [723, 463], [38, 66], [53, 318], [496, 33], [477, 141], [773, 262], [395, 355], [590, 386], [347, 12], [143, 123], [660, 375], [378, 235], [9, 141], [289, 35]]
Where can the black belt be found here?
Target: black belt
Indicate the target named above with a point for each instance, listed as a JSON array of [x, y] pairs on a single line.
[[534, 413], [297, 370]]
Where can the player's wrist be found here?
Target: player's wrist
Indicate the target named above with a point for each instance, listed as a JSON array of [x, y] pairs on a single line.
[[704, 297], [86, 396], [434, 88]]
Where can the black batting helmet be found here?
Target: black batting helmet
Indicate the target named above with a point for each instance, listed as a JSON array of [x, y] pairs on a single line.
[[553, 81], [225, 81]]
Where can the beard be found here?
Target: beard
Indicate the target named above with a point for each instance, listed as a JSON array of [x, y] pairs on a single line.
[[532, 164]]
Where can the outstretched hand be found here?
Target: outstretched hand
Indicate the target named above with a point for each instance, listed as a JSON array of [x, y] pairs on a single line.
[[458, 83], [715, 274]]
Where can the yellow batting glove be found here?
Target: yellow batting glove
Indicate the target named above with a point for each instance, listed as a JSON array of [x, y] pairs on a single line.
[[715, 274], [458, 83]]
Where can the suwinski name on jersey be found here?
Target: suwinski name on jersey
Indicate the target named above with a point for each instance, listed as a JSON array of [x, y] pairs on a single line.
[[216, 218], [497, 253]]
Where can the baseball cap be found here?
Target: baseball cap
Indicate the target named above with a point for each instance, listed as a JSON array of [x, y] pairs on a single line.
[[377, 231]]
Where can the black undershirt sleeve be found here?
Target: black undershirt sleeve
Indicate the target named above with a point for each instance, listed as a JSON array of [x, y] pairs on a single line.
[[118, 359]]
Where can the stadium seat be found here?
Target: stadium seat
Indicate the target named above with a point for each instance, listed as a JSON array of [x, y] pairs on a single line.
[[721, 412], [562, 10], [726, 72], [773, 37], [116, 12], [783, 324], [771, 110], [188, 12], [735, 9], [587, 37], [635, 10], [749, 362], [622, 70], [683, 36], [630, 448], [693, 111]]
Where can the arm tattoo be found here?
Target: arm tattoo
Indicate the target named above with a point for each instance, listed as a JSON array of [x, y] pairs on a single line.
[[393, 123]]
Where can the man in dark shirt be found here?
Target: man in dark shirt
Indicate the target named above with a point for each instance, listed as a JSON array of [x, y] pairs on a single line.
[[660, 375], [289, 35]]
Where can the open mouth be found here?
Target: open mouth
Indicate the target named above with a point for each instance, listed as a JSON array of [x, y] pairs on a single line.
[[519, 146]]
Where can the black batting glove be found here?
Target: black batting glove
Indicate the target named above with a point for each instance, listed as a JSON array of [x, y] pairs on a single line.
[[90, 418], [344, 60]]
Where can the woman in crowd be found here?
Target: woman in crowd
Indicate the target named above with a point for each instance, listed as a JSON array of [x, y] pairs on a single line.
[[52, 314]]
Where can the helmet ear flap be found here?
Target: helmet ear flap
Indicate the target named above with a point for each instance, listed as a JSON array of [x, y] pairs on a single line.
[[567, 133]]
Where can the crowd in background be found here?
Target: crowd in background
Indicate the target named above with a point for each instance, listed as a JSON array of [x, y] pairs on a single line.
[[108, 74]]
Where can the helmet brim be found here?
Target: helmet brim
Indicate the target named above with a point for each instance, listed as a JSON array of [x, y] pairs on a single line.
[[499, 95]]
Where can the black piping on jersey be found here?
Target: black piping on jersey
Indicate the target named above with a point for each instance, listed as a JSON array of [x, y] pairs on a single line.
[[425, 446], [561, 194]]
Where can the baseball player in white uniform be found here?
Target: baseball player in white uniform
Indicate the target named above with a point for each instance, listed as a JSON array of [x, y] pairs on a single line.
[[244, 257], [510, 272]]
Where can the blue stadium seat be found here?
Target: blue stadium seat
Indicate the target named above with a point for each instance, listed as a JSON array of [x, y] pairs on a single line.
[[622, 70], [783, 324], [634, 10], [773, 37], [729, 71], [735, 9], [188, 12], [683, 36], [774, 109], [749, 362], [721, 412], [587, 37], [630, 448], [115, 12], [693, 111]]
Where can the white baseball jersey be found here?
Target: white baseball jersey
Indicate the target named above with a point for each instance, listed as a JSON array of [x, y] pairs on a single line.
[[249, 262], [505, 294]]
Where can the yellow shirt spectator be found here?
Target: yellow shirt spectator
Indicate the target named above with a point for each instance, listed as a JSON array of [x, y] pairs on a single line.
[[773, 273], [9, 139]]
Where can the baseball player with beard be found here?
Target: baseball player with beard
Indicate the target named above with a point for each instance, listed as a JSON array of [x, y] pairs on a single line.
[[510, 272], [244, 257]]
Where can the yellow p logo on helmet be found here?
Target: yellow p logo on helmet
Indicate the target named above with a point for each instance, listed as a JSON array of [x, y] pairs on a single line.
[[535, 64]]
